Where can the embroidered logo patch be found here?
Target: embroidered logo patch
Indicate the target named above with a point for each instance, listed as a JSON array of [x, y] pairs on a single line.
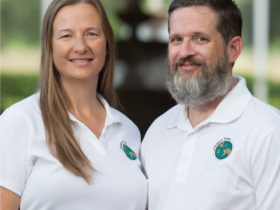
[[129, 152], [223, 148]]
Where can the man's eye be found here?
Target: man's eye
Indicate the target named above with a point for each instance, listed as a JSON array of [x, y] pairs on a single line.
[[201, 39], [176, 39]]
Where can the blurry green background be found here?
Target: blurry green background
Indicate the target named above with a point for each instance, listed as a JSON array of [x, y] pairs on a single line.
[[20, 45]]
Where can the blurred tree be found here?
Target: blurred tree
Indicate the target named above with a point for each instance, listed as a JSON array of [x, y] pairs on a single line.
[[20, 22], [246, 7], [275, 25], [112, 9]]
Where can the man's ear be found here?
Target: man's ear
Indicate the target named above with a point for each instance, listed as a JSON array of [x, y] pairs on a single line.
[[234, 48]]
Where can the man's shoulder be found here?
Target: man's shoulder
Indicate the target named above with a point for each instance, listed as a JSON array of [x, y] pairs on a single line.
[[163, 121], [263, 111], [158, 128]]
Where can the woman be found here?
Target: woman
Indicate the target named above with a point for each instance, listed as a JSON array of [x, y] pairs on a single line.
[[65, 147]]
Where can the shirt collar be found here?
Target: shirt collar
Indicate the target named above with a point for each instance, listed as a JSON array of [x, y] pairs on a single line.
[[231, 107], [179, 117], [234, 104], [112, 116]]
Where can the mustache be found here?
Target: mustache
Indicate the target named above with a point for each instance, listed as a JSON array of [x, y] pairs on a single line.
[[180, 61]]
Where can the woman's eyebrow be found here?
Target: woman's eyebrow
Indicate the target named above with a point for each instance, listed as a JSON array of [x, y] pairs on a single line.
[[87, 29]]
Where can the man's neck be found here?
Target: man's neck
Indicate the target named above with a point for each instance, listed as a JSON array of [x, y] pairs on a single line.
[[200, 113]]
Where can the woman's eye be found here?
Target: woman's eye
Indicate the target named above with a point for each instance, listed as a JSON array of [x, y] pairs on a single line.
[[91, 34], [66, 36]]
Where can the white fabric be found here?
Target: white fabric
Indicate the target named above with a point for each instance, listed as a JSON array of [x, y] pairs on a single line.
[[29, 170], [184, 172]]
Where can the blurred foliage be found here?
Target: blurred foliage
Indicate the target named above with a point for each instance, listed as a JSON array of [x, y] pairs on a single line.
[[17, 87], [20, 23], [275, 26], [246, 7], [112, 10], [20, 20], [20, 26]]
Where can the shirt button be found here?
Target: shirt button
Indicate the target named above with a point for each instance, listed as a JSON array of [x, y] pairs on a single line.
[[190, 137], [186, 158]]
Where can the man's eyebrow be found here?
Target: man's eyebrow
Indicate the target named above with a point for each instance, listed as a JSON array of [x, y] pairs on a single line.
[[200, 34], [195, 33], [174, 35]]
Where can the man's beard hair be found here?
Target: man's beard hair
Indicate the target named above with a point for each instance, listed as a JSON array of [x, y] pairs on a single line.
[[205, 87]]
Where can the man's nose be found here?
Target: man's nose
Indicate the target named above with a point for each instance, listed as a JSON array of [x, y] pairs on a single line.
[[187, 49], [80, 45]]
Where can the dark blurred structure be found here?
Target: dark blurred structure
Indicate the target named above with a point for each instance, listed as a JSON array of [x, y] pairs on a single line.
[[143, 107], [141, 67]]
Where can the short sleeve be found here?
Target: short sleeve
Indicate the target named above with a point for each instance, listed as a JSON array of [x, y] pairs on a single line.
[[13, 150], [266, 171]]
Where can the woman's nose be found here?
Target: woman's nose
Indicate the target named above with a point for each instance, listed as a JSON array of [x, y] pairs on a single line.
[[80, 45]]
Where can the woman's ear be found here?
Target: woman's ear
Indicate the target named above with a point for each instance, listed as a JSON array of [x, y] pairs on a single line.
[[234, 49]]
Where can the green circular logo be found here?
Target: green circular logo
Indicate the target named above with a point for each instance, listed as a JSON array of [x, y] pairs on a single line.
[[223, 150]]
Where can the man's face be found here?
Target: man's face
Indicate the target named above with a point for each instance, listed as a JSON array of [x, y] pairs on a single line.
[[199, 70], [193, 35]]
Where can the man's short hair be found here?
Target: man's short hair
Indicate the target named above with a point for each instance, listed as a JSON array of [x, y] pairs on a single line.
[[229, 22]]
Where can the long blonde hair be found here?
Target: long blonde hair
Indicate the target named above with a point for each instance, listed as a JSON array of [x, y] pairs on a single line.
[[54, 101]]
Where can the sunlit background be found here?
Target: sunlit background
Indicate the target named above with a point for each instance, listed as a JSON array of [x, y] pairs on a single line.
[[141, 34]]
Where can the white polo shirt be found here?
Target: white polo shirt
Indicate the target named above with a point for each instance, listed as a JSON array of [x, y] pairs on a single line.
[[230, 161], [29, 170]]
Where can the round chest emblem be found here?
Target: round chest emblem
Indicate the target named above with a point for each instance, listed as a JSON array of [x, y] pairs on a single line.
[[223, 150]]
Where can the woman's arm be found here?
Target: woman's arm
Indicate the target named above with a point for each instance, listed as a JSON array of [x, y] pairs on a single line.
[[8, 200], [13, 157]]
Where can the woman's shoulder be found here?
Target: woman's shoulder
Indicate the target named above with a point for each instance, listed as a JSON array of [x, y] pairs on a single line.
[[22, 109], [124, 120], [17, 133]]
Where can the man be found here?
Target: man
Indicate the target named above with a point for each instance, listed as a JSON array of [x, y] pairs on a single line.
[[219, 148]]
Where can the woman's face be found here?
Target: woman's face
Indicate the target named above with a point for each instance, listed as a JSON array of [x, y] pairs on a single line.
[[79, 43]]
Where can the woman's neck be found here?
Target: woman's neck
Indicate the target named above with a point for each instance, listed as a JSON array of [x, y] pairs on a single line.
[[83, 97]]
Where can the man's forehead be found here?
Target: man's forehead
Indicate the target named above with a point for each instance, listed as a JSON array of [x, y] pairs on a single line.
[[204, 10], [185, 12], [194, 15]]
